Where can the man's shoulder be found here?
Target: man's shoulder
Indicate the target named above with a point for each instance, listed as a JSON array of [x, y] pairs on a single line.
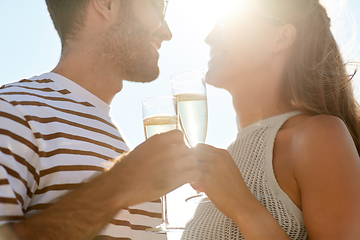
[[28, 85], [12, 86], [36, 89], [23, 96]]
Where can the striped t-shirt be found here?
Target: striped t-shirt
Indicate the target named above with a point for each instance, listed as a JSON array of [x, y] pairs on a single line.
[[54, 136]]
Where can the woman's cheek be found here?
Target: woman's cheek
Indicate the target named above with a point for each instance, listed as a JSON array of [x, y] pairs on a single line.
[[239, 62], [242, 58]]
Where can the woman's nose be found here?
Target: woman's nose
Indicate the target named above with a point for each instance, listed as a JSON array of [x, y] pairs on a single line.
[[213, 35]]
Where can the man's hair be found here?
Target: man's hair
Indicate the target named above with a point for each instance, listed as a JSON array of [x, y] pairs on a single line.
[[68, 17]]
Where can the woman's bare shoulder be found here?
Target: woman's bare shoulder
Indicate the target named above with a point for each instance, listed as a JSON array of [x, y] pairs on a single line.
[[327, 172], [321, 139], [304, 124], [322, 130]]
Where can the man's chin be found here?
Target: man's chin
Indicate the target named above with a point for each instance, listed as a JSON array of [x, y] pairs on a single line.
[[144, 76]]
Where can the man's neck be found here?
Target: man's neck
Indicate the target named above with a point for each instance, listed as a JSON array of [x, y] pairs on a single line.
[[90, 74]]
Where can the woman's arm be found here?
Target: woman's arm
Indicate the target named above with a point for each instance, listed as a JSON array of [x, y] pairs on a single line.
[[224, 185], [328, 175]]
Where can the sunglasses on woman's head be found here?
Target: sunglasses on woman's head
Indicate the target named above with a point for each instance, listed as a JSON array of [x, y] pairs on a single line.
[[224, 21]]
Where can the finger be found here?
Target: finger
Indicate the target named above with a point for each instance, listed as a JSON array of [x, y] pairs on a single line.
[[203, 155], [176, 151], [190, 176], [196, 187], [179, 159], [188, 163], [208, 148], [172, 137], [182, 150]]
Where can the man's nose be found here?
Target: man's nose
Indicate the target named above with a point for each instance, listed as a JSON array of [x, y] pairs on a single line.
[[165, 32]]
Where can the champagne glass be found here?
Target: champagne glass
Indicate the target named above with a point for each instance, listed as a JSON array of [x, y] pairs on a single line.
[[160, 115], [190, 90]]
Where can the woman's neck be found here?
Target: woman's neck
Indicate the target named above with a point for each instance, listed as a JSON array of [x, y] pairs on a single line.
[[250, 109]]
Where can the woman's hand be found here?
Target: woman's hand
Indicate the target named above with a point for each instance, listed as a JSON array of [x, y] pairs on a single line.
[[223, 183], [221, 180]]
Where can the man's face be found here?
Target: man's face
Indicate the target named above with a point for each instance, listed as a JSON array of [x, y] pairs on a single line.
[[131, 44]]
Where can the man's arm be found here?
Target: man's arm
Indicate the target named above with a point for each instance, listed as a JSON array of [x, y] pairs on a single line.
[[79, 215], [136, 178], [156, 167]]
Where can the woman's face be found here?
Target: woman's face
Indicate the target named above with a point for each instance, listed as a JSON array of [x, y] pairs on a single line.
[[241, 48]]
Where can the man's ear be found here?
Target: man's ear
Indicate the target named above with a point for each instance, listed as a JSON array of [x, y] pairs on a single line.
[[103, 7], [285, 38]]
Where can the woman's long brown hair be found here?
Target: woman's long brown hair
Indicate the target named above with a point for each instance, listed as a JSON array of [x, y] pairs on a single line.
[[317, 79]]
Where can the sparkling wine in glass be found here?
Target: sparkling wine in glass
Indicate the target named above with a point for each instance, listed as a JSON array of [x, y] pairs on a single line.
[[160, 115], [190, 90]]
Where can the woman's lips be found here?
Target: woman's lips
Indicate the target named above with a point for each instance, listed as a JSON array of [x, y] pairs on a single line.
[[216, 56]]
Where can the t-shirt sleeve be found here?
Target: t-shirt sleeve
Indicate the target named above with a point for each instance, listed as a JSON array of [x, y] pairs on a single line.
[[19, 158]]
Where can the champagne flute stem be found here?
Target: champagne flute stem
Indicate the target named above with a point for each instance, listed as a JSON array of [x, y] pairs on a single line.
[[164, 210]]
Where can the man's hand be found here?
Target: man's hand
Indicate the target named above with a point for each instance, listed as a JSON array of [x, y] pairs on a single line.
[[156, 167]]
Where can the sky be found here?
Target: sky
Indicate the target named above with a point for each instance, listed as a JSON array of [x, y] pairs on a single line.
[[29, 45]]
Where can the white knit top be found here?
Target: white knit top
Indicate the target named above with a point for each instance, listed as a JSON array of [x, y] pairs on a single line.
[[253, 154]]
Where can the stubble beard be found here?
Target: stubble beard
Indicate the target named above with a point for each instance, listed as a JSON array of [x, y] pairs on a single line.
[[127, 49]]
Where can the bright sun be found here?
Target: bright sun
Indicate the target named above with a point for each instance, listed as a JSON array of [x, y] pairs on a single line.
[[203, 13]]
